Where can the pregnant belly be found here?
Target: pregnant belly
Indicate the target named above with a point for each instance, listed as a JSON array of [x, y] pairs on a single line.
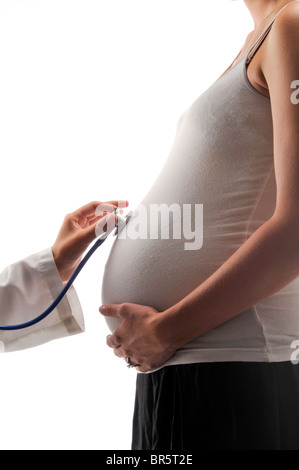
[[141, 272], [157, 273]]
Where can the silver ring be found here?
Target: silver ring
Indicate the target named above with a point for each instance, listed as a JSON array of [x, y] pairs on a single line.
[[130, 363]]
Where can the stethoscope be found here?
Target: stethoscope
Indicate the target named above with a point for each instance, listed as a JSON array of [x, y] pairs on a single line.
[[120, 224]]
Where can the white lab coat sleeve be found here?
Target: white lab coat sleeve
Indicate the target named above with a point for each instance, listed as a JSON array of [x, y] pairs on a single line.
[[27, 288]]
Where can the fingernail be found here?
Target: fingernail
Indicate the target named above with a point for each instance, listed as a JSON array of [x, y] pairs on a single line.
[[103, 309]]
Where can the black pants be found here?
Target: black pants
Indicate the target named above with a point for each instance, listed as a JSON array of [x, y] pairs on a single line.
[[214, 406]]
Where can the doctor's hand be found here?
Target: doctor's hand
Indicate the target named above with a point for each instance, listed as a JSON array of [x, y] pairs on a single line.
[[139, 339], [79, 229]]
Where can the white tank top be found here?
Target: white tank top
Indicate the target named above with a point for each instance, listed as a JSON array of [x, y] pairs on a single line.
[[222, 158]]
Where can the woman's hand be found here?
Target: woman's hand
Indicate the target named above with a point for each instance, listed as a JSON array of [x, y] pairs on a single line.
[[79, 229], [139, 337]]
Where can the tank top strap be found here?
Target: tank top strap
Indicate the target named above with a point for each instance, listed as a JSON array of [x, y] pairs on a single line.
[[253, 50]]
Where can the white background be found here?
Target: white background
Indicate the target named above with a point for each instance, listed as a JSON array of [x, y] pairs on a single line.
[[90, 95]]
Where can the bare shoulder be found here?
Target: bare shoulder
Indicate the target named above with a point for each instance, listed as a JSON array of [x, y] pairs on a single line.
[[289, 14], [280, 62], [285, 30]]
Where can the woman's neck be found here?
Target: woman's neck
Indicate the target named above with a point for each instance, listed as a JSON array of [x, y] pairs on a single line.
[[262, 10]]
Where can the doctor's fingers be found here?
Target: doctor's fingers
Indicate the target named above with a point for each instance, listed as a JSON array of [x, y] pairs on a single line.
[[90, 208], [109, 206], [87, 235], [103, 224], [96, 209]]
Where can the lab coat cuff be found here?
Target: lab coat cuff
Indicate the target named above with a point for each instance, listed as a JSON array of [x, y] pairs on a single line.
[[69, 309]]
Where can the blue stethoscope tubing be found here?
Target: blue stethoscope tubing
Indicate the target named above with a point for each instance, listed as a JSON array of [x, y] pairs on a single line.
[[59, 298], [70, 282]]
